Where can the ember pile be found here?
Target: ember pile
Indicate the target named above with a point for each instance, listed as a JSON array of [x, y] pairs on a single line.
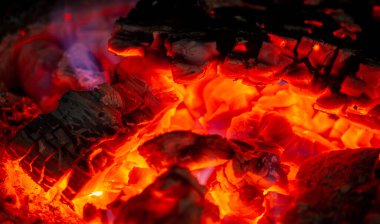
[[218, 112]]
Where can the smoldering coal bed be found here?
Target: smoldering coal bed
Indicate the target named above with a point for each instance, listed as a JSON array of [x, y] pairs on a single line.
[[164, 111]]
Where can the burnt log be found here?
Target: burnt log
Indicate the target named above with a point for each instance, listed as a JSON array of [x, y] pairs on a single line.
[[52, 143], [336, 187], [84, 123], [174, 197]]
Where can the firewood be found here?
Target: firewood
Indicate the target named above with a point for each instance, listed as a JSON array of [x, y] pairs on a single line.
[[52, 142], [64, 139]]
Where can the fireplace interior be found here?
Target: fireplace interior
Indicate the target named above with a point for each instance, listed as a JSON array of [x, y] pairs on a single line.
[[191, 111]]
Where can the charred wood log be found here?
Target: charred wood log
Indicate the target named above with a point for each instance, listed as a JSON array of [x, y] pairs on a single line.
[[51, 143], [174, 197], [336, 187], [84, 123]]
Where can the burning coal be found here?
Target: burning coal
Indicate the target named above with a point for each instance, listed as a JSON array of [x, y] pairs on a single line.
[[212, 115]]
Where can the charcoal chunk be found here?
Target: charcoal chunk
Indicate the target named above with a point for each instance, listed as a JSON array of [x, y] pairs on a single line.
[[175, 197], [336, 187], [187, 149], [339, 169]]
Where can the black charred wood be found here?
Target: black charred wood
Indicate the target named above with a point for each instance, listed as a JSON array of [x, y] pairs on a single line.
[[187, 149], [102, 119], [337, 187], [175, 197], [52, 143], [339, 169]]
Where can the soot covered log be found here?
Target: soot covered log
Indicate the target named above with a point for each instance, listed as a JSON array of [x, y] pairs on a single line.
[[51, 143], [84, 122]]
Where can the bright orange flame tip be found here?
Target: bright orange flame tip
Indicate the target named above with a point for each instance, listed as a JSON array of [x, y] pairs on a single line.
[[96, 193], [129, 52], [316, 47]]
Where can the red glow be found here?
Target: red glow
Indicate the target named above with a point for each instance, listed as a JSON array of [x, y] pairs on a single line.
[[376, 12], [22, 33], [269, 125], [129, 52], [67, 16], [241, 47], [314, 23], [316, 47]]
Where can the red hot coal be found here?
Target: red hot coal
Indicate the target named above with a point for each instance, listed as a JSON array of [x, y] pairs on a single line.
[[194, 111]]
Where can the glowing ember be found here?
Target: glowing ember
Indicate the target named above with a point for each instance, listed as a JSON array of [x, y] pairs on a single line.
[[183, 131]]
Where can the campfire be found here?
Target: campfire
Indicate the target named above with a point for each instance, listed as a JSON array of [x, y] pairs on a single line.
[[194, 112]]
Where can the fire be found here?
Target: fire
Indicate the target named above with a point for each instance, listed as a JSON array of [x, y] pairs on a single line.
[[230, 108], [277, 114], [241, 142], [96, 194], [129, 52]]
